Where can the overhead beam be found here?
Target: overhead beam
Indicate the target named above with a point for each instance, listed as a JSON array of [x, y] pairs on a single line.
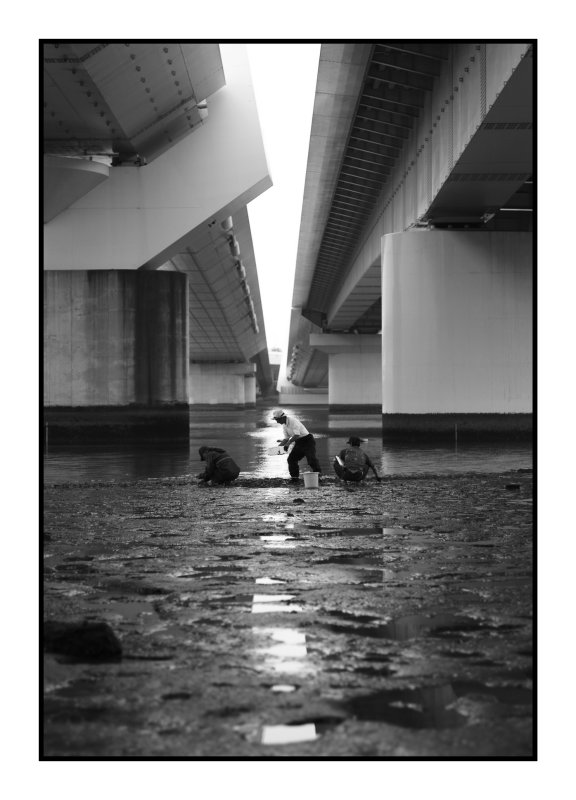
[[440, 58], [381, 61]]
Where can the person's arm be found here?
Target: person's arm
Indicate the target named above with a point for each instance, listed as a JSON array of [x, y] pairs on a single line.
[[210, 469], [288, 439], [372, 467]]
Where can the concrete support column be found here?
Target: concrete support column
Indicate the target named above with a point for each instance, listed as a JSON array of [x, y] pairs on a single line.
[[354, 370], [222, 384], [456, 334], [115, 354], [250, 391]]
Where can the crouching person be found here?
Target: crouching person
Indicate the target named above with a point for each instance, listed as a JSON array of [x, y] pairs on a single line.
[[352, 463], [220, 466]]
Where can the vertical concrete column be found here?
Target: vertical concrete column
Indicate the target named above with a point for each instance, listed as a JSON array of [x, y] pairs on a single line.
[[456, 333], [354, 370], [221, 384], [115, 354], [250, 391]]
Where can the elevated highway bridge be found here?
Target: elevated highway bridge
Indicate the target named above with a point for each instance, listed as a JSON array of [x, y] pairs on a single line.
[[152, 152], [413, 284]]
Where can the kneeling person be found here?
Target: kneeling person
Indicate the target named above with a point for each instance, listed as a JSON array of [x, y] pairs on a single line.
[[220, 466], [352, 463]]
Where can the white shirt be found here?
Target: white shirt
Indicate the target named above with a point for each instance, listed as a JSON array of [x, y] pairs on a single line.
[[293, 427]]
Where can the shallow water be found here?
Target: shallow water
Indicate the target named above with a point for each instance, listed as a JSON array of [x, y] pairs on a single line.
[[249, 434]]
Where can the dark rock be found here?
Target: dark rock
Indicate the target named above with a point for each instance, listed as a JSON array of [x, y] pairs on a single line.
[[513, 487], [298, 500], [82, 640]]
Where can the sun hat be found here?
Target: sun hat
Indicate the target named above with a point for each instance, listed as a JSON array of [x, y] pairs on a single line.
[[278, 413]]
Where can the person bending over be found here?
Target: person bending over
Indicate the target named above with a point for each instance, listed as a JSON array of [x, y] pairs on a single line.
[[304, 443], [220, 466], [352, 463]]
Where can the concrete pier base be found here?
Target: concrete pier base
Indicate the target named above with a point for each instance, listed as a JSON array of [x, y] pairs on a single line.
[[118, 424], [455, 427]]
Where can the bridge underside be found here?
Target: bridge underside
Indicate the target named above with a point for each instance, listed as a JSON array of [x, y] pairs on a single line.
[[152, 153], [420, 163]]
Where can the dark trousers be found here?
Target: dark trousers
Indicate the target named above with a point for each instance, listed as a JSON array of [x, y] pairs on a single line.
[[346, 475], [304, 448]]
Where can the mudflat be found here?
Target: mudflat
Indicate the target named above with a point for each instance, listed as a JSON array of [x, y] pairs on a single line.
[[263, 619]]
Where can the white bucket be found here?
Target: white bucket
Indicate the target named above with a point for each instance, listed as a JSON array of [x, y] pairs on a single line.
[[310, 480]]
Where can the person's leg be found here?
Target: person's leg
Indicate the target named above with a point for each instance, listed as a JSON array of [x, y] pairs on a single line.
[[293, 459], [338, 469], [354, 477], [310, 453]]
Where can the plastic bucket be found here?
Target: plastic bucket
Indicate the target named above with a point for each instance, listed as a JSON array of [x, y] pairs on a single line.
[[310, 480]]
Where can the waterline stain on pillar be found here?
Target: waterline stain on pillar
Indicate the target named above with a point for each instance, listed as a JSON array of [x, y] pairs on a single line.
[[456, 427]]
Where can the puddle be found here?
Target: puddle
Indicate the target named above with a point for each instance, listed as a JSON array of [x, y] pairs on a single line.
[[507, 695], [320, 531], [349, 532], [354, 561], [412, 626], [134, 611], [267, 603], [278, 541], [283, 687], [268, 581], [176, 696], [409, 708], [280, 517], [430, 707], [276, 537]]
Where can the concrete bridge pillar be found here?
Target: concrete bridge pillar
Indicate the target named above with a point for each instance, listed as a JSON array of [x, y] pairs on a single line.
[[250, 391], [456, 334], [354, 370], [115, 354], [222, 384]]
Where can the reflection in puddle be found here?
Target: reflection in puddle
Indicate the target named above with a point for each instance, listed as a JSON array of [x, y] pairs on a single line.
[[352, 532], [287, 653], [509, 695], [274, 517], [355, 561], [275, 608], [268, 581], [278, 541], [131, 611], [283, 687], [274, 603], [430, 707], [307, 730], [410, 708], [286, 734], [276, 537], [412, 626], [278, 734]]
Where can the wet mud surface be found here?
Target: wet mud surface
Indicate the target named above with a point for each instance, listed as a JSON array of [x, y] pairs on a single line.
[[269, 620]]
